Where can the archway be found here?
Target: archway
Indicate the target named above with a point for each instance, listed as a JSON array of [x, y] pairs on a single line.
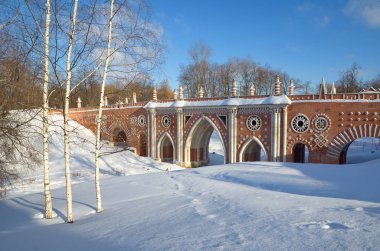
[[339, 145], [253, 150], [197, 143], [360, 150], [119, 137], [300, 153], [143, 145], [166, 149]]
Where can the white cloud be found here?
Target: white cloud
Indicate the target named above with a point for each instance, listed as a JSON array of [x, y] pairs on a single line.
[[314, 14], [368, 11], [305, 8]]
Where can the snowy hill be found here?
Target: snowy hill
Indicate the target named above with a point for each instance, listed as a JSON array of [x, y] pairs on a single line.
[[82, 147], [245, 206]]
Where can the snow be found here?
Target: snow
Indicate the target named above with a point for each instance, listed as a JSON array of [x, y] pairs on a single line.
[[243, 206], [114, 162], [363, 149], [270, 100]]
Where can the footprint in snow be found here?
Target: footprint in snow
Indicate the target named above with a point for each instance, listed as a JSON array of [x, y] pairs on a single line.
[[320, 225]]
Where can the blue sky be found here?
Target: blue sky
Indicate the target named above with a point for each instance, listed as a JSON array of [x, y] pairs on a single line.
[[306, 39]]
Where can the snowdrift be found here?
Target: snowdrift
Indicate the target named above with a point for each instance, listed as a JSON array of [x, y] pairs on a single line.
[[244, 206]]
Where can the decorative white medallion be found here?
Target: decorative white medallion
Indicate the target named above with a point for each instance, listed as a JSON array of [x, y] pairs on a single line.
[[300, 123], [133, 120], [141, 120], [166, 121], [321, 122], [253, 123]]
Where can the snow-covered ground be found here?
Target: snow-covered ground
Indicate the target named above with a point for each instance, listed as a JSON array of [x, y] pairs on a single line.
[[245, 206], [113, 162], [363, 149]]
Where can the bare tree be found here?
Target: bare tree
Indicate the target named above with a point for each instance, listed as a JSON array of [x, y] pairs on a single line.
[[66, 116], [375, 82], [349, 80], [99, 118], [194, 75], [45, 102]]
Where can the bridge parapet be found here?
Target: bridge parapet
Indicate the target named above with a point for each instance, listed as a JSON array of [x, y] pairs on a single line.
[[282, 126]]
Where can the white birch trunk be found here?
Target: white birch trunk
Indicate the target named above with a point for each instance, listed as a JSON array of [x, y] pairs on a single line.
[[48, 203], [66, 117], [99, 121]]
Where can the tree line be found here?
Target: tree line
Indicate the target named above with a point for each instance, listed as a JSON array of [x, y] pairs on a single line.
[[216, 78]]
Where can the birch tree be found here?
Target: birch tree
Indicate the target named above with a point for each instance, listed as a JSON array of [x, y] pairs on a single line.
[[99, 120], [48, 202], [66, 117]]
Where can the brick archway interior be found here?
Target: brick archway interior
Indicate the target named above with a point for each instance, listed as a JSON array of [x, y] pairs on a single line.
[[251, 151], [197, 143], [166, 149], [119, 137], [142, 145], [300, 153]]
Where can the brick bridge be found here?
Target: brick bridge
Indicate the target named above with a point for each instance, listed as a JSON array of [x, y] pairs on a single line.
[[280, 126]]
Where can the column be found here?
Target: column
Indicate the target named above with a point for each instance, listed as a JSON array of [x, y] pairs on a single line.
[[275, 135], [284, 132], [232, 134], [152, 134], [179, 146]]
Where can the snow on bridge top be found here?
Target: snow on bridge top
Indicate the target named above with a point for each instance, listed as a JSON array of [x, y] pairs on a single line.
[[236, 101], [243, 101]]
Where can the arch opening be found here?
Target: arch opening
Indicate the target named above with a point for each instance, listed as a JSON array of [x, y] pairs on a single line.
[[197, 151], [253, 152], [143, 145], [360, 150], [120, 138], [300, 153], [166, 150], [216, 151]]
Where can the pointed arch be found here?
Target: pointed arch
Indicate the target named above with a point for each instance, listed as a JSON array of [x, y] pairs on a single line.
[[114, 130], [142, 149], [161, 146], [247, 143], [196, 156]]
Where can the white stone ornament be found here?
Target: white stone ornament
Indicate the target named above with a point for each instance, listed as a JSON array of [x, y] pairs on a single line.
[[253, 123], [133, 120], [321, 122], [166, 121], [320, 140], [300, 123], [141, 120]]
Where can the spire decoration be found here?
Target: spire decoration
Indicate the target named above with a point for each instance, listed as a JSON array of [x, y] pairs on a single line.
[[252, 90], [79, 103], [201, 92], [180, 91], [154, 94], [105, 100], [234, 88], [134, 98], [277, 87], [291, 87]]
